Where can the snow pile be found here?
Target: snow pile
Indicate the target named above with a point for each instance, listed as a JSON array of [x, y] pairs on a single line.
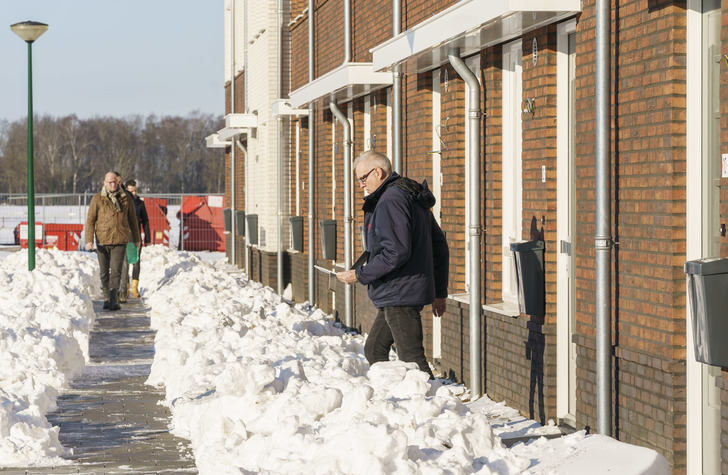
[[259, 385], [45, 318]]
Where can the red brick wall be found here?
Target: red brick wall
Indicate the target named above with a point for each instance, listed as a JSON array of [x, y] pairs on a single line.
[[371, 23], [648, 187], [416, 11]]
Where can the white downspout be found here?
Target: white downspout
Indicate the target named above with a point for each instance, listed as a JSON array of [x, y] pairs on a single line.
[[279, 123], [311, 115], [347, 207], [603, 239], [233, 67], [247, 108], [347, 31], [473, 195], [397, 95]]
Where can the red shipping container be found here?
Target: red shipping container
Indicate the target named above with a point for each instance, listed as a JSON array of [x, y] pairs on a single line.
[[22, 233], [63, 236], [203, 223], [158, 223]]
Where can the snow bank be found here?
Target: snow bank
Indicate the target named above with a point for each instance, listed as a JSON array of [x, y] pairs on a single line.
[[259, 385], [45, 318]]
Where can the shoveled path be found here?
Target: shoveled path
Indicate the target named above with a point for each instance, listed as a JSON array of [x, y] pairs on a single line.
[[110, 421]]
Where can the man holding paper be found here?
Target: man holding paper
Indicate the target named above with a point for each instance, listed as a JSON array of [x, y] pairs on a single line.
[[408, 260]]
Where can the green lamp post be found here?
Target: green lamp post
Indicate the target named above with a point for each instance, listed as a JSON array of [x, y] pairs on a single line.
[[29, 31]]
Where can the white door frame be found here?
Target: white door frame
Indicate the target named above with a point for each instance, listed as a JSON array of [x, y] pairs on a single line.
[[512, 174], [565, 367], [696, 210]]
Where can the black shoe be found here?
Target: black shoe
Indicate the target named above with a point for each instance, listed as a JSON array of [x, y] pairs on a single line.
[[114, 300], [106, 298]]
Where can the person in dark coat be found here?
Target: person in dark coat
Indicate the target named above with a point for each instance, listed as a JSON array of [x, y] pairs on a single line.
[[408, 261], [141, 212], [124, 282]]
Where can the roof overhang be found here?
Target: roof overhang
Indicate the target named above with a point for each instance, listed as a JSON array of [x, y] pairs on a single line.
[[347, 82], [236, 124], [213, 141], [282, 107], [471, 25]]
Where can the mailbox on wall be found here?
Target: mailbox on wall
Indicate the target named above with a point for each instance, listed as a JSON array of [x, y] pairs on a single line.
[[530, 277], [240, 222], [252, 228], [227, 217], [707, 281], [328, 239], [297, 233]]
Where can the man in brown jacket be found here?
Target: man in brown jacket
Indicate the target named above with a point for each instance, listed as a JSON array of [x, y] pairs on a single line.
[[112, 219]]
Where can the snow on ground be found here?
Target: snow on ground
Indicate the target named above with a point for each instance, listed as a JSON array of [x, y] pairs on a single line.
[[259, 385]]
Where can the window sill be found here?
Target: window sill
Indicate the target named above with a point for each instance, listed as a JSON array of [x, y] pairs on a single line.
[[504, 308]]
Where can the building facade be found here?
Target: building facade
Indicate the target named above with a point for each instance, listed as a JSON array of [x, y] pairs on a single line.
[[493, 103]]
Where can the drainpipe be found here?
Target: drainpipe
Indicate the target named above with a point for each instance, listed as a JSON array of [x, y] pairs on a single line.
[[311, 112], [232, 111], [347, 31], [279, 122], [347, 206], [397, 95], [247, 108], [473, 195], [603, 239]]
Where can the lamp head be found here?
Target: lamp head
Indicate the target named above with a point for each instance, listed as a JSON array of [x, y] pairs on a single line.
[[29, 31]]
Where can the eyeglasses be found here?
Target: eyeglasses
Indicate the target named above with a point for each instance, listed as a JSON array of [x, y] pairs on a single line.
[[363, 179]]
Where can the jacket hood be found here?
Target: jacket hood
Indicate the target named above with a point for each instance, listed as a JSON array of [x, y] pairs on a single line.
[[419, 192]]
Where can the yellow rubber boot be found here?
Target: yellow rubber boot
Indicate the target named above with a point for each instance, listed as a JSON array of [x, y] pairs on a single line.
[[135, 288]]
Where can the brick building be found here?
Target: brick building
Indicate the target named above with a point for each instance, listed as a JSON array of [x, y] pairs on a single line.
[[386, 67]]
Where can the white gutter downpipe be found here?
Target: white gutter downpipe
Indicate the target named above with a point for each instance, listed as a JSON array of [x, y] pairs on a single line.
[[347, 31], [233, 67], [348, 314], [279, 122], [247, 108], [473, 195], [603, 239], [311, 115], [397, 95]]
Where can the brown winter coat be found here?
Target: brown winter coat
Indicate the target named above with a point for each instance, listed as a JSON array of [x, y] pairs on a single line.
[[111, 226]]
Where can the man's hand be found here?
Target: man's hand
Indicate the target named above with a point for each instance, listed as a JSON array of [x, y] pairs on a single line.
[[347, 277], [138, 244], [439, 306], [89, 246]]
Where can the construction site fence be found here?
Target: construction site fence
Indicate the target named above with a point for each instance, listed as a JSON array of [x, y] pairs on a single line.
[[60, 218]]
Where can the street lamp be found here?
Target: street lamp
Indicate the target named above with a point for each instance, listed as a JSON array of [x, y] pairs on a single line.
[[29, 31]]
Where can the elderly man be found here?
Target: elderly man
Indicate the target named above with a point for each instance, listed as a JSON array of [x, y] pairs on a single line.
[[408, 260], [112, 219]]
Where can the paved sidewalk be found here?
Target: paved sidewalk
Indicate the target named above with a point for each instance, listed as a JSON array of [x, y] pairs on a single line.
[[110, 421]]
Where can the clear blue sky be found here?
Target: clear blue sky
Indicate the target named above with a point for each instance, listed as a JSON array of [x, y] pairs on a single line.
[[114, 58]]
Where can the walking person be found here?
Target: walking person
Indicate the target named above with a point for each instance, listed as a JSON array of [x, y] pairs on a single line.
[[124, 282], [141, 212], [112, 221], [408, 261]]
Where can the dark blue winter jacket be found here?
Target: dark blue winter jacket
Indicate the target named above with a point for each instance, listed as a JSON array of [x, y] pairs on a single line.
[[408, 254]]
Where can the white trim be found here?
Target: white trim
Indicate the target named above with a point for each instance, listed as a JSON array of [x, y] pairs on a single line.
[[563, 211], [471, 25], [693, 224], [346, 82], [437, 192], [512, 176]]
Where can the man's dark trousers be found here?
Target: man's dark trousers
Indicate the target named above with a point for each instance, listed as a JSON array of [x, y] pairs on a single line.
[[111, 259], [401, 326]]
